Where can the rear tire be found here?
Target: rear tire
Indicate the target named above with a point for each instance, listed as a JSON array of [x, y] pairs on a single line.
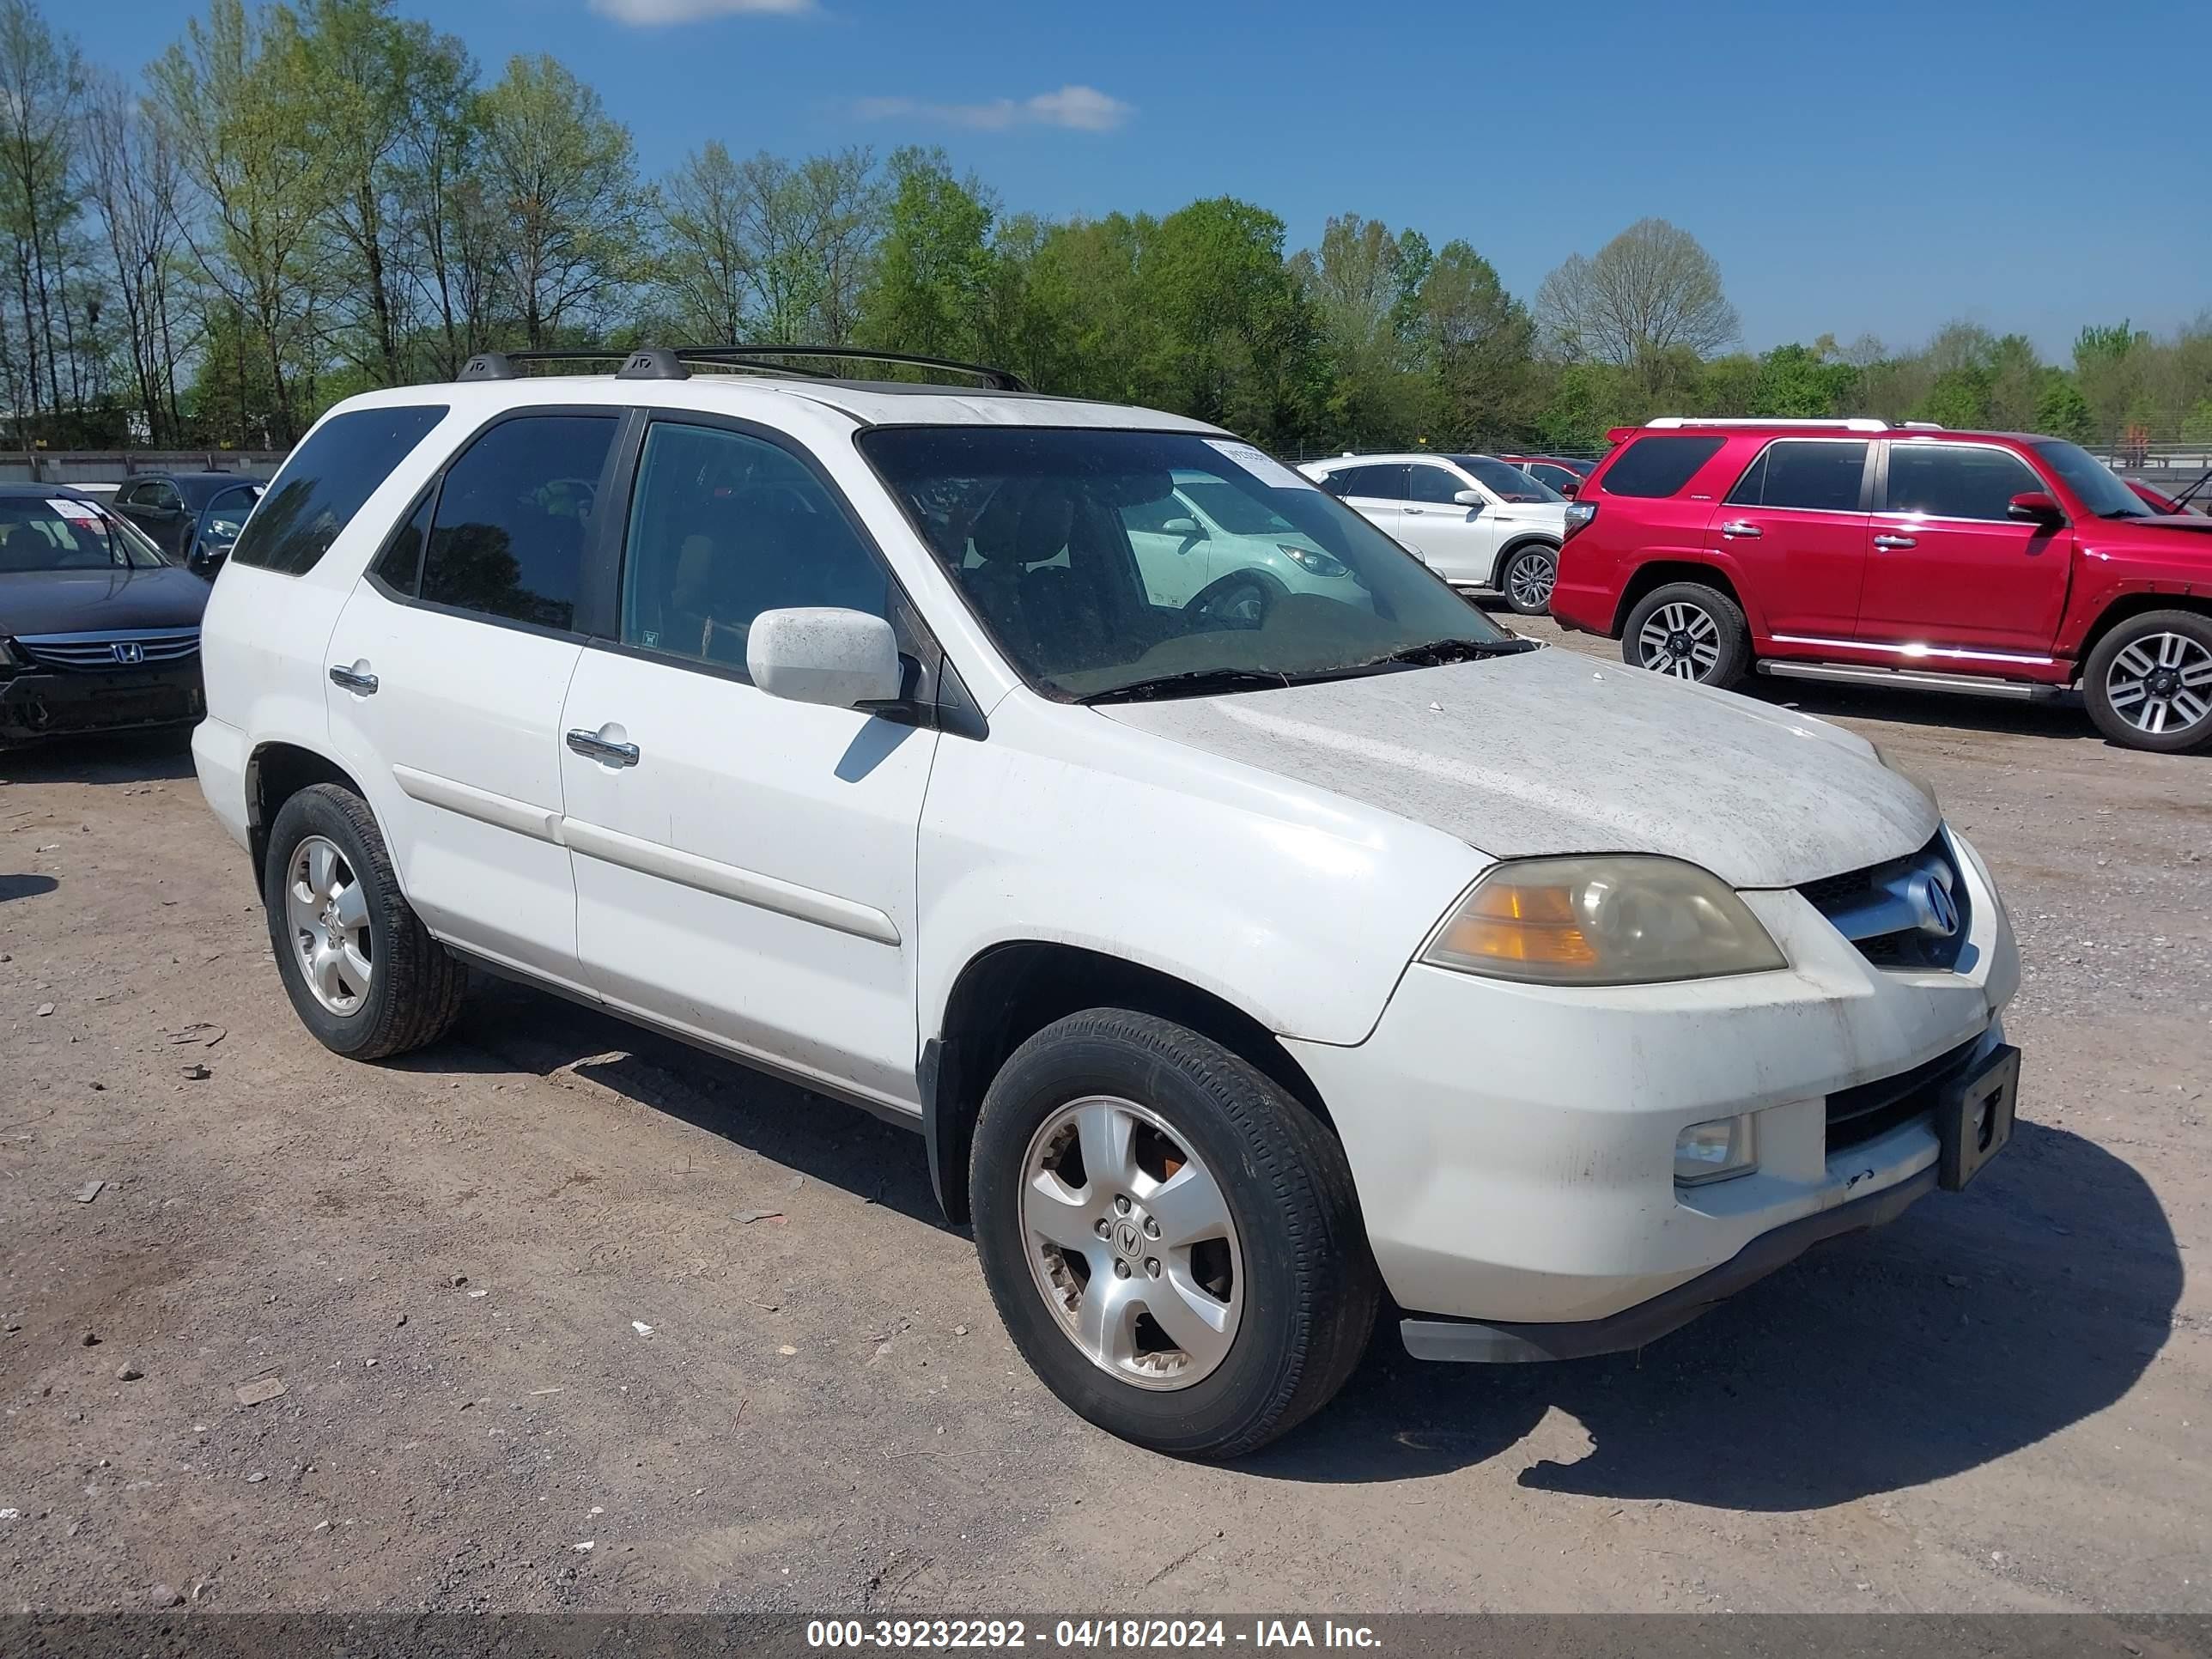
[[1527, 579], [2154, 671], [1691, 631], [1174, 1139], [363, 973]]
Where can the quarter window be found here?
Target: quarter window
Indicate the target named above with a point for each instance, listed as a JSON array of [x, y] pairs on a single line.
[[1956, 481], [1658, 466], [724, 527], [1824, 477], [513, 515], [325, 482]]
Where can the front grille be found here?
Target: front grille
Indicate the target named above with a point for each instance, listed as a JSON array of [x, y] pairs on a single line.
[[1889, 911], [107, 653], [1857, 1114]]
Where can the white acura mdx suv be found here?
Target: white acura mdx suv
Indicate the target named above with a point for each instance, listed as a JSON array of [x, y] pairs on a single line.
[[1476, 521], [1244, 968]]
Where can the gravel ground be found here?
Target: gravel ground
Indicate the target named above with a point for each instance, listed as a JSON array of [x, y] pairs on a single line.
[[534, 1355]]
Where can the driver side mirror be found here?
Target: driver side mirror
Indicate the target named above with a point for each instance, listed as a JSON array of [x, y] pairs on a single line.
[[1570, 489], [1185, 527], [2034, 506], [1469, 498], [836, 658]]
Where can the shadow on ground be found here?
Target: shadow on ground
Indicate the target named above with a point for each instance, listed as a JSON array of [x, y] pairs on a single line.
[[1975, 1325], [129, 757]]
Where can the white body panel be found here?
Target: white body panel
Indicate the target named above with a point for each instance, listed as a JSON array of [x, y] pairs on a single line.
[[804, 885]]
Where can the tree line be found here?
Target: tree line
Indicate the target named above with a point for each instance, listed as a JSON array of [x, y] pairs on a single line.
[[298, 202]]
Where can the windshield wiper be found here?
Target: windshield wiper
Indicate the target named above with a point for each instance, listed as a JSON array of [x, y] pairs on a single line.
[[1196, 682], [1436, 652]]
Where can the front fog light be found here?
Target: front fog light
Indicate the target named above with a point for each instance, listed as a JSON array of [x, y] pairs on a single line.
[[1714, 1150]]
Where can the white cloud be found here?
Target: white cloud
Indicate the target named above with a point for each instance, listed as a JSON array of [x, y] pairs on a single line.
[[1087, 109], [650, 13]]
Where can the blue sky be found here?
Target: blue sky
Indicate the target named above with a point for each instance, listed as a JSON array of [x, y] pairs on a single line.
[[1854, 167]]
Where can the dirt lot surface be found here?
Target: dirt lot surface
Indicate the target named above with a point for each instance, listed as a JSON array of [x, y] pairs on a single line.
[[535, 1355]]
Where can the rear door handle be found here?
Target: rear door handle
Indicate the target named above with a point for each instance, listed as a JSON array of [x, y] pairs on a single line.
[[1740, 527], [593, 746], [356, 680], [1892, 544]]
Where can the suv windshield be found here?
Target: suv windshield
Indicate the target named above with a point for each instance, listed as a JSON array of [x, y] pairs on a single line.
[[59, 533], [2097, 484], [1046, 531], [1507, 484]]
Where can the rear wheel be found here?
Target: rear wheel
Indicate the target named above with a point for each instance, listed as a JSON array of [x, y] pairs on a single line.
[[363, 973], [1172, 1240], [1690, 631], [2149, 684], [1527, 579]]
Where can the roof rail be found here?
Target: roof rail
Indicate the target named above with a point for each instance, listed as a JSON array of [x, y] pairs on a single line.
[[669, 363], [1853, 423]]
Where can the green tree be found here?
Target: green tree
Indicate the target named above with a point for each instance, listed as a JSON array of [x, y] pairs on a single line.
[[933, 278], [42, 85], [1957, 397], [2063, 412], [1797, 381], [561, 180], [1475, 343]]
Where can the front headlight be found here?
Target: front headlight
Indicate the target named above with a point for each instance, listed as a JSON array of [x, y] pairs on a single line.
[[1311, 559], [1618, 920]]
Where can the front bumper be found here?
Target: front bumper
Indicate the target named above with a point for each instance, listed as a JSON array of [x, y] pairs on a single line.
[[1513, 1144], [35, 704]]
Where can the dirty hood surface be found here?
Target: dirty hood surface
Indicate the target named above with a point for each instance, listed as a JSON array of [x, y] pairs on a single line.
[[1549, 752]]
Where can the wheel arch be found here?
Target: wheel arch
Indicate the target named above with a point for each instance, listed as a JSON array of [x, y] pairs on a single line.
[[2126, 608], [1009, 991], [1660, 572], [1519, 543], [275, 772]]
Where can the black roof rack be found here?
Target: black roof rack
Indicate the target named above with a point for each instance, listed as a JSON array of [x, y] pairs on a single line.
[[668, 363]]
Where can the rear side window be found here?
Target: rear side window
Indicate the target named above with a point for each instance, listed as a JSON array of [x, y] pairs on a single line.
[[1386, 484], [325, 481], [1956, 481], [513, 515], [1658, 466], [1825, 477]]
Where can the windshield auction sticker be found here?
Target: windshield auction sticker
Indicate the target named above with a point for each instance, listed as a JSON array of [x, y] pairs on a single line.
[[1261, 465]]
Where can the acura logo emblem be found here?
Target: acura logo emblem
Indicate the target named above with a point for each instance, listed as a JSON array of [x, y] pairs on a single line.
[[130, 651], [1939, 911]]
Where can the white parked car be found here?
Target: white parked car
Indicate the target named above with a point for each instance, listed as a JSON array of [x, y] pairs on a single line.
[[1240, 968], [1477, 521], [1230, 553]]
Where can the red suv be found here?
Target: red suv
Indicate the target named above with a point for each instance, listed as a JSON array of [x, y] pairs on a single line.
[[1913, 555]]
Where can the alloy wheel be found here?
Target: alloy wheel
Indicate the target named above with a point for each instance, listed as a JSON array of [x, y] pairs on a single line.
[[1131, 1243], [326, 914], [2160, 684], [1680, 639], [1529, 583]]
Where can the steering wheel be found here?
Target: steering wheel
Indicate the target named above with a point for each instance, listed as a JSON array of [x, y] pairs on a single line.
[[1241, 600]]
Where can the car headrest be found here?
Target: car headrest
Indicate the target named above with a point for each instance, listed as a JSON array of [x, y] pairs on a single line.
[[1047, 522]]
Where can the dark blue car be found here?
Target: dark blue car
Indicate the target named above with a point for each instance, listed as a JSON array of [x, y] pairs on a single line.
[[99, 631]]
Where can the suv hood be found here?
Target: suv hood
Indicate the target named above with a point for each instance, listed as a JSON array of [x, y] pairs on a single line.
[[1550, 752], [92, 601]]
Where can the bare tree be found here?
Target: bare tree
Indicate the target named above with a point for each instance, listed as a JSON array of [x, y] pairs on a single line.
[[1650, 294], [41, 83], [132, 183]]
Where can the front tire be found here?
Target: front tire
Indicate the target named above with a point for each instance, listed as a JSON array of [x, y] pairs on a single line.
[[2149, 684], [1690, 631], [363, 973], [1173, 1242], [1527, 579]]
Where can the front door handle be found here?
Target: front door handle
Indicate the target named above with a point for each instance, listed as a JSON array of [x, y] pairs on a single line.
[[1892, 544], [357, 680], [593, 746], [1735, 527]]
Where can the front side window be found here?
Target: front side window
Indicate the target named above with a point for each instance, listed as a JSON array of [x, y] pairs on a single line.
[[513, 515], [724, 527], [1655, 467], [1507, 484], [61, 533], [325, 481], [1032, 524], [1433, 485], [1956, 481], [1822, 476]]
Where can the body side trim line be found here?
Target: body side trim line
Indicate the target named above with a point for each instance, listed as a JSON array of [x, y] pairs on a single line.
[[1914, 651], [842, 915], [502, 811]]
